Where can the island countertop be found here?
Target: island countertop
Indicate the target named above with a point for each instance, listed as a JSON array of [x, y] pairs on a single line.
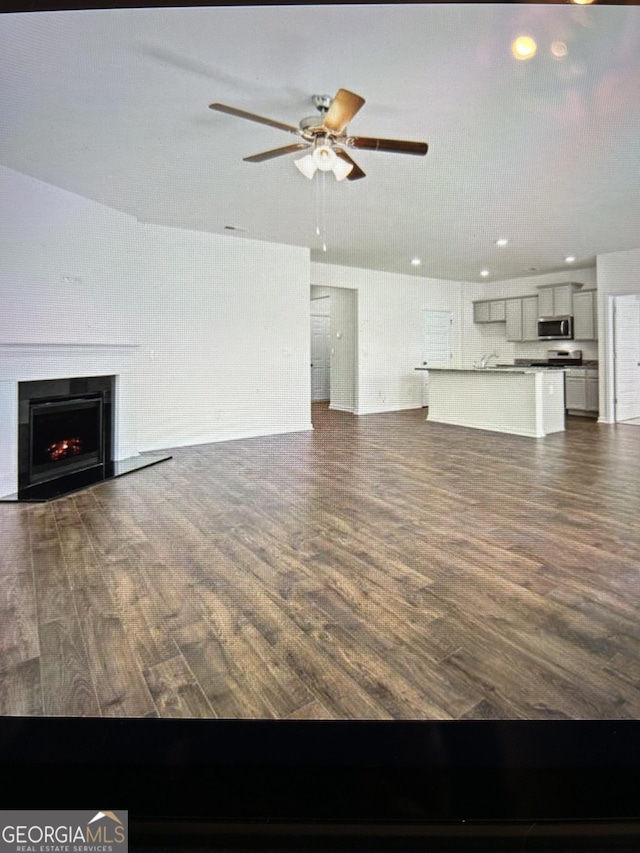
[[514, 369]]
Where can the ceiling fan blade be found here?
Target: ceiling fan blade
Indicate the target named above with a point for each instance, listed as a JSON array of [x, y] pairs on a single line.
[[398, 146], [232, 111], [276, 152], [343, 108], [356, 172]]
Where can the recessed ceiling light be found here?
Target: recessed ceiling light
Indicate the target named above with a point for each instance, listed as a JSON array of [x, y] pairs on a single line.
[[416, 262], [502, 241], [570, 259], [524, 47], [559, 49], [484, 273]]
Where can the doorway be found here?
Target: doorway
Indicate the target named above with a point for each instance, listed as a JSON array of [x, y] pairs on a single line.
[[626, 357], [320, 345], [437, 350], [337, 348]]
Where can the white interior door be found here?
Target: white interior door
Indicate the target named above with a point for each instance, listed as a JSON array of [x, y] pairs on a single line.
[[626, 351], [320, 365], [437, 350]]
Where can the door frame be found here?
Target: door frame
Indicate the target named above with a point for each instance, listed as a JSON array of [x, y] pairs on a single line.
[[610, 390], [328, 358]]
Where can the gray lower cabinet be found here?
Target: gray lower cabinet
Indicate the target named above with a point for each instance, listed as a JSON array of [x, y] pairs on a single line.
[[593, 392], [581, 390]]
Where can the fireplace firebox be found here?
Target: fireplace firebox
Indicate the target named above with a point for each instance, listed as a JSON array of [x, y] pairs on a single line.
[[65, 434]]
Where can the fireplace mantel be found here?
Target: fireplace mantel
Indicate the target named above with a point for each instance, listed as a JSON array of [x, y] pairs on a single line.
[[16, 347], [23, 361], [49, 344]]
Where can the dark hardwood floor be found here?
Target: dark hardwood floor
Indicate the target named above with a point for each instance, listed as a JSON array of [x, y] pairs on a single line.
[[379, 567]]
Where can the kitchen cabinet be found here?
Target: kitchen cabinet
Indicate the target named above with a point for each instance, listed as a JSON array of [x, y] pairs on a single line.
[[530, 314], [496, 311], [556, 300], [585, 321], [575, 392], [521, 315], [581, 391], [513, 317], [593, 392], [480, 312], [489, 311]]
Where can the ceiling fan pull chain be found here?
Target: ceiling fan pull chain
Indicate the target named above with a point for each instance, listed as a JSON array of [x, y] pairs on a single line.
[[323, 178], [318, 232]]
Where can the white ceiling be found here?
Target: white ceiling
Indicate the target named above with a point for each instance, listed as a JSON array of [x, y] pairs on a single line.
[[113, 105]]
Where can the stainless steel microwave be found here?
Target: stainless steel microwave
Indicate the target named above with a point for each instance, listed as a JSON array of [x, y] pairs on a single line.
[[555, 328]]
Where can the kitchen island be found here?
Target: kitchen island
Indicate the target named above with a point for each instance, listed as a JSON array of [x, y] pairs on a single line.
[[523, 401]]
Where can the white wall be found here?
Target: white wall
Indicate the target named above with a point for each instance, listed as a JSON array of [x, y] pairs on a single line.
[[222, 323], [389, 334], [618, 273]]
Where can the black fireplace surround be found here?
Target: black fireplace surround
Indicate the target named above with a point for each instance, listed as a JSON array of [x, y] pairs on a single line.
[[65, 435]]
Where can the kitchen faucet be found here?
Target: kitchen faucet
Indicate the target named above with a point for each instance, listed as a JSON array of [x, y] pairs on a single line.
[[485, 358]]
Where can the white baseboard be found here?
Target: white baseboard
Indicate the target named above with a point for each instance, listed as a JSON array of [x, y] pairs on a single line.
[[378, 410], [216, 438]]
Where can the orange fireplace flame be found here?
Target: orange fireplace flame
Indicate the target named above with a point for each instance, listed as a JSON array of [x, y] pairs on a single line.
[[64, 448]]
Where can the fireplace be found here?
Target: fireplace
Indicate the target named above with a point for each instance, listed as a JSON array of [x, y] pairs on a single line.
[[65, 434]]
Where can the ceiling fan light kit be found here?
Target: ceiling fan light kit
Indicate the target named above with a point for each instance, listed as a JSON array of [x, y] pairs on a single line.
[[324, 159], [325, 134], [307, 166], [341, 169]]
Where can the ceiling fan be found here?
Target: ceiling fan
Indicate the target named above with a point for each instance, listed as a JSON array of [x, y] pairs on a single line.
[[326, 135]]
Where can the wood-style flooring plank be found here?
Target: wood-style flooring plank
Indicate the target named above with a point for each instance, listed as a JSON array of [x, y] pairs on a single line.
[[67, 683], [52, 588], [116, 671], [18, 618], [175, 690], [21, 690]]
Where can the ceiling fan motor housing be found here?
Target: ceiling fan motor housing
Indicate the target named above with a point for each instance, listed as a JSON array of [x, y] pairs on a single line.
[[312, 126], [322, 102]]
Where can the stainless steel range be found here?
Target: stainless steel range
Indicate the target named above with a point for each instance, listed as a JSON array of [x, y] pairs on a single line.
[[561, 358]]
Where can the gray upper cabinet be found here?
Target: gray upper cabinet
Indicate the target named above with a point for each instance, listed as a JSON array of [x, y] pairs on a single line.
[[497, 311], [585, 325], [481, 312], [521, 315], [556, 300], [488, 311], [530, 314], [513, 317]]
